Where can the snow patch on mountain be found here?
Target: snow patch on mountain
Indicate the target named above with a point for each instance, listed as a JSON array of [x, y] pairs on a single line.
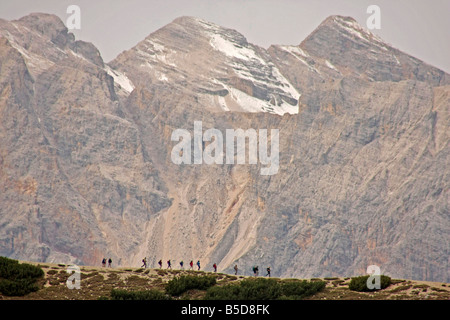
[[300, 55], [156, 52], [353, 28], [231, 49], [252, 67], [252, 104], [121, 79], [295, 51], [285, 84], [35, 62], [330, 65]]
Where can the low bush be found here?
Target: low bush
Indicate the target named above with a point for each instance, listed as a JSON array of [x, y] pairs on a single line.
[[152, 294], [19, 287], [265, 289], [259, 289], [18, 279], [301, 289], [360, 283], [179, 285], [225, 292]]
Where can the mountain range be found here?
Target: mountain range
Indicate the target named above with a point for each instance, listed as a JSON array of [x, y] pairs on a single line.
[[85, 151]]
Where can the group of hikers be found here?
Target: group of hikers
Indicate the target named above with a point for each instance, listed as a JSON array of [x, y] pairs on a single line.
[[104, 262], [169, 264], [191, 266], [256, 271]]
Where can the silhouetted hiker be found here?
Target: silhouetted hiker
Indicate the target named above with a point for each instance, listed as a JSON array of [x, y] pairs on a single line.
[[181, 264], [160, 263], [198, 264], [268, 272], [215, 267], [235, 269], [192, 265], [144, 262], [109, 262], [255, 271], [169, 265], [104, 262]]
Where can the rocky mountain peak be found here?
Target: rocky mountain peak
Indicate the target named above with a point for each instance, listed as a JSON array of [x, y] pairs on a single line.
[[361, 53], [48, 25], [207, 27], [43, 40], [215, 64]]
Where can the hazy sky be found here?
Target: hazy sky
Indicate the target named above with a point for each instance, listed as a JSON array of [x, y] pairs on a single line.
[[418, 27]]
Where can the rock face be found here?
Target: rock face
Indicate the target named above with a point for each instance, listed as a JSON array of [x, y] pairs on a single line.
[[72, 167], [85, 151], [215, 65]]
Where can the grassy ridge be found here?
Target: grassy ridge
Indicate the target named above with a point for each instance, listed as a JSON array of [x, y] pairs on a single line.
[[155, 284]]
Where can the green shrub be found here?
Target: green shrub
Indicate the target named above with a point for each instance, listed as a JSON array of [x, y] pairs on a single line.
[[179, 285], [360, 283], [152, 294], [226, 292], [265, 289], [301, 289], [259, 289], [19, 287], [18, 279]]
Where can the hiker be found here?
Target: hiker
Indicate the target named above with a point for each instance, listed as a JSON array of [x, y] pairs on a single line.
[[144, 261], [215, 267], [169, 265], [268, 272], [104, 262], [192, 265], [181, 264], [255, 271], [235, 269], [160, 263], [198, 264], [109, 262]]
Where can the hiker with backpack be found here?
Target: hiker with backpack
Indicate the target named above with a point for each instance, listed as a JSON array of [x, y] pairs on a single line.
[[104, 262], [215, 267], [198, 265], [109, 262], [268, 272], [181, 264], [191, 264], [169, 265], [235, 269], [160, 263], [144, 263]]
